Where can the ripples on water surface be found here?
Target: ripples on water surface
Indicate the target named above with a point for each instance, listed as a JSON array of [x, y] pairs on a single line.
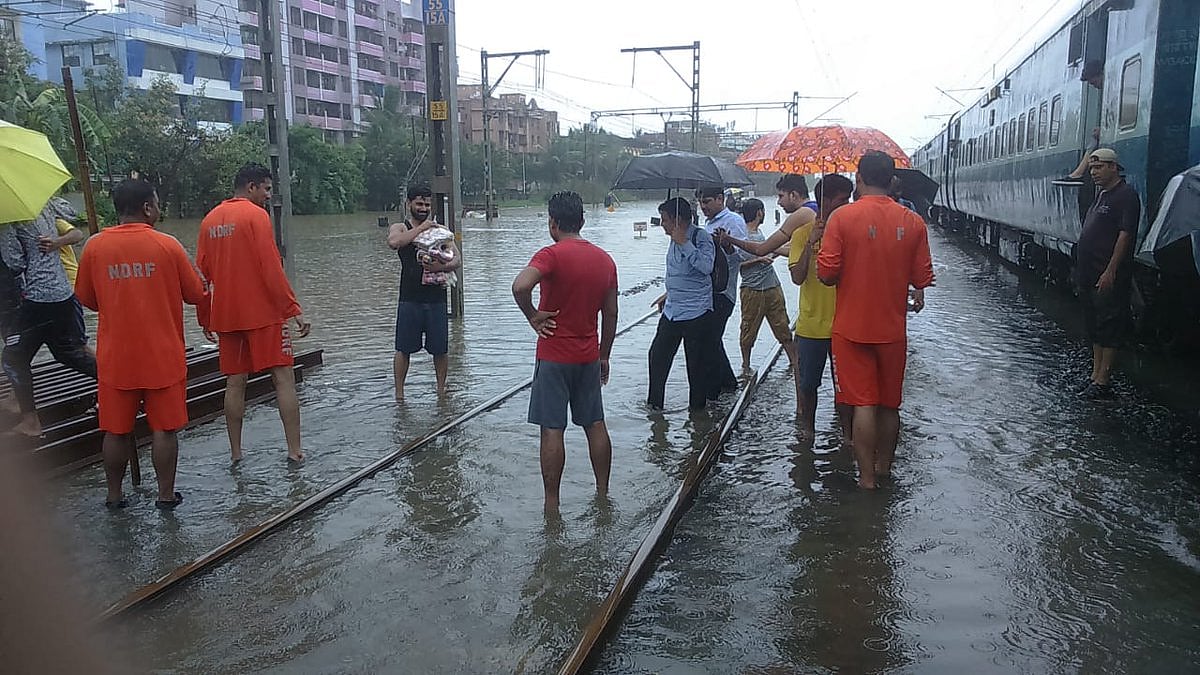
[[1026, 531]]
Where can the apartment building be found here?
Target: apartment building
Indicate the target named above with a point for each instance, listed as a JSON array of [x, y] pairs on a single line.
[[193, 43], [339, 56], [517, 125]]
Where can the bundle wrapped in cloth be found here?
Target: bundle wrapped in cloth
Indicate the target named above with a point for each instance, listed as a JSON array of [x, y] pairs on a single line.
[[436, 245]]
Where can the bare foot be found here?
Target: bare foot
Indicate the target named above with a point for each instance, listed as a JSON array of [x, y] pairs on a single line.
[[235, 457], [297, 458], [29, 426], [868, 486]]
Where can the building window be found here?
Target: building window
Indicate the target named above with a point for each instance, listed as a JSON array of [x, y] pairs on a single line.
[[1029, 130], [313, 79], [1043, 124], [325, 25], [249, 35], [102, 54], [345, 56], [208, 66], [1131, 85], [297, 17], [8, 29], [1056, 105], [329, 82], [248, 5], [299, 104], [298, 46], [342, 29], [72, 55], [1020, 133], [254, 99], [297, 75], [394, 69], [310, 21]]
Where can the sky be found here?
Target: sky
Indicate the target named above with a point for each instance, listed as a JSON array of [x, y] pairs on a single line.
[[891, 56]]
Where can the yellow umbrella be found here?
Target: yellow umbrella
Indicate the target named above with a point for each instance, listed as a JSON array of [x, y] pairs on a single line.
[[30, 173]]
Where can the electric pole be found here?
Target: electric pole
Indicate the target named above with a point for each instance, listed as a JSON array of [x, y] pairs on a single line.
[[441, 90], [694, 85], [275, 94], [486, 90]]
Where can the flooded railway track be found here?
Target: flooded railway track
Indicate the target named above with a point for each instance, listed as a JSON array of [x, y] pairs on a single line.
[[608, 615], [181, 575]]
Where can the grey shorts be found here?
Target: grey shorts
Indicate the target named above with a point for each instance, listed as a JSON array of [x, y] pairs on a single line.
[[555, 385]]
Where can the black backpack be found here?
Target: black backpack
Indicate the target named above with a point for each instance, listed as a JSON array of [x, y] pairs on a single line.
[[720, 271]]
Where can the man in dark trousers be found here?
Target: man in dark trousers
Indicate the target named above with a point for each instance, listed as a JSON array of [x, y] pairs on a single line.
[[722, 220], [47, 315], [687, 308], [578, 282], [1104, 267], [421, 318]]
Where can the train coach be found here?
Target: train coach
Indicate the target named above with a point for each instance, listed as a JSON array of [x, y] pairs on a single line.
[[1001, 161]]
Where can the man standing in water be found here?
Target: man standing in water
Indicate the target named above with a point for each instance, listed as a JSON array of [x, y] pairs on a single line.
[[722, 220], [1104, 267], [578, 281], [138, 279], [814, 322], [687, 308], [421, 316], [252, 303], [873, 251], [762, 295]]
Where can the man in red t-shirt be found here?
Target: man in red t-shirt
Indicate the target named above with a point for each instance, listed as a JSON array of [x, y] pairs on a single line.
[[138, 280], [873, 250], [252, 303], [578, 281]]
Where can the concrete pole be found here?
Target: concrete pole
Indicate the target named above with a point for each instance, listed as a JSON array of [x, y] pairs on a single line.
[[275, 94]]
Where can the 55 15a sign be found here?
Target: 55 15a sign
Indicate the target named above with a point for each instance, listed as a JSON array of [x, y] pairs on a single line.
[[437, 12]]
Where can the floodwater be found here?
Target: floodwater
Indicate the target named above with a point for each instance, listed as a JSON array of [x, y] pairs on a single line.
[[1026, 531]]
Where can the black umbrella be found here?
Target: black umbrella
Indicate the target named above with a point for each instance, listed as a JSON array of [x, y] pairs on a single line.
[[1173, 240], [680, 170], [915, 185]]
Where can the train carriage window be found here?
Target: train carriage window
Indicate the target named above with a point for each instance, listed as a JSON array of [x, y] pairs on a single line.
[[1013, 148], [1043, 124], [1004, 139], [1056, 106], [1029, 135], [1131, 84], [1021, 132]]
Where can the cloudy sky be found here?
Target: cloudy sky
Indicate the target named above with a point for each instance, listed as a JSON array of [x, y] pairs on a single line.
[[891, 55]]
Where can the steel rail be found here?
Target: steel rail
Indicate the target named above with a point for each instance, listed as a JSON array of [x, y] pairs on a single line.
[[656, 540], [239, 543]]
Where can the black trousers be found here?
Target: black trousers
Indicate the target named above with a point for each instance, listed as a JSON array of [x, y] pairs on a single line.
[[696, 335], [722, 375], [44, 323]]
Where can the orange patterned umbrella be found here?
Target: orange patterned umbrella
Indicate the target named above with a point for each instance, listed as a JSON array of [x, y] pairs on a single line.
[[809, 150]]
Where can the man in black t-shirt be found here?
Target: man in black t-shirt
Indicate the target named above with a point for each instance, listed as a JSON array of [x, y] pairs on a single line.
[[1104, 266], [421, 318]]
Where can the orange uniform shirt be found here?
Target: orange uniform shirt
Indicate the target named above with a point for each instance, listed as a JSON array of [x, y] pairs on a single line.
[[874, 249], [237, 255], [138, 279]]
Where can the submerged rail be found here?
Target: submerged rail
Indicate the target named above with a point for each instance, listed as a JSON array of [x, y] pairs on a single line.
[[239, 543], [640, 565]]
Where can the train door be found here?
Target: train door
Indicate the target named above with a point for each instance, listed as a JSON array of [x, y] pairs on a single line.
[[1094, 48]]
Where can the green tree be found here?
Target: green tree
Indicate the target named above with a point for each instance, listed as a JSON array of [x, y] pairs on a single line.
[[394, 152], [326, 178]]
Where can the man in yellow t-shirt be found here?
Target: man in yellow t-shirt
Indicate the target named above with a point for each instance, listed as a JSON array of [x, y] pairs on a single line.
[[814, 321]]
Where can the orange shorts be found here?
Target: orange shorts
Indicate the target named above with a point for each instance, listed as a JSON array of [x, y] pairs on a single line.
[[166, 408], [256, 350], [868, 374]]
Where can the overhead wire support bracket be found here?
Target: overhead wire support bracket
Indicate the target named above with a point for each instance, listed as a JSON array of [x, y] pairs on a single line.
[[486, 90]]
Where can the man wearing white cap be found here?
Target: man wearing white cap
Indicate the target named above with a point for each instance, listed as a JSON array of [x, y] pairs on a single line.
[[1104, 266]]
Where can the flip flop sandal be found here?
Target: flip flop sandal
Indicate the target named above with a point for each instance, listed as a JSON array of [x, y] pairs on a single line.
[[169, 505]]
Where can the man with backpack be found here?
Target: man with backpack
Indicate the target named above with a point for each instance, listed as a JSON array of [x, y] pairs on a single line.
[[722, 221], [687, 307]]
